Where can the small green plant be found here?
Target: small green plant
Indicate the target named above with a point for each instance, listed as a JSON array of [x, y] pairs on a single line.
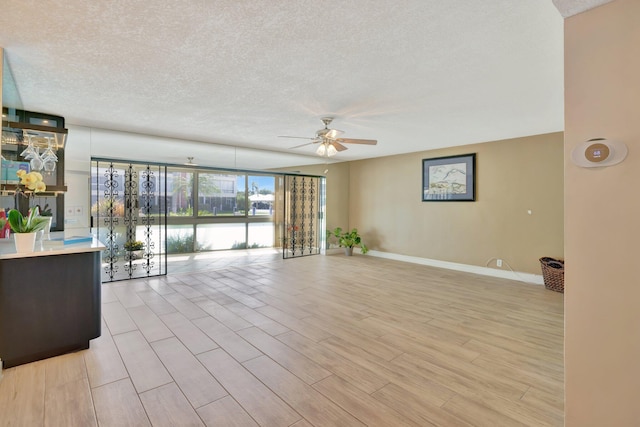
[[134, 245], [45, 211], [243, 245], [29, 224], [348, 239], [182, 243]]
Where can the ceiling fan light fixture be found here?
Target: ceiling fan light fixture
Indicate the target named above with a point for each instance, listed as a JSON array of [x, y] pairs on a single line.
[[331, 150], [321, 150]]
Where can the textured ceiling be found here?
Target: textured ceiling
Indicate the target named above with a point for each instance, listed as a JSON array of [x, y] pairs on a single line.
[[414, 74]]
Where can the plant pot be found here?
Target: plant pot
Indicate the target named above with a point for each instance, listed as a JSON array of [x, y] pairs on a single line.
[[137, 254], [348, 251], [25, 242], [44, 234]]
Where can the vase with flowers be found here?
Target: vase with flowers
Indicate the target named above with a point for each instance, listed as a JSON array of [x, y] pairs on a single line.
[[30, 184], [26, 226], [135, 249]]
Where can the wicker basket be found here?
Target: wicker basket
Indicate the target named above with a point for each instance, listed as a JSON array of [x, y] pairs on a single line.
[[553, 273]]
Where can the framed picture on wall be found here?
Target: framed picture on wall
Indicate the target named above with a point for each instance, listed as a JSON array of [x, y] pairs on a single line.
[[449, 179]]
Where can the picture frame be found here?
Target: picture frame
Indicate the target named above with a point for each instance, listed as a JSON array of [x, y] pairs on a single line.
[[449, 179]]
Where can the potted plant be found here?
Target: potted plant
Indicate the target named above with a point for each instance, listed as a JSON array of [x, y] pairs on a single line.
[[46, 212], [25, 228], [348, 240], [135, 248]]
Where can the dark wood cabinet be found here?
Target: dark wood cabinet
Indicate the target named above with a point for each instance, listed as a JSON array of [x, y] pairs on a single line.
[[49, 305]]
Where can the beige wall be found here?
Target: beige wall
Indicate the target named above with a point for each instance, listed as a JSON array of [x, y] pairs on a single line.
[[602, 283], [513, 176]]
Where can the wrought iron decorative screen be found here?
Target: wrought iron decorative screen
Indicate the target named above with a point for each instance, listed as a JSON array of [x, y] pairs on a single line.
[[128, 215], [303, 215]]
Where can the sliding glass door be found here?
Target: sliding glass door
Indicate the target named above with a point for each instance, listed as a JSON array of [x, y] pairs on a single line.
[[146, 213]]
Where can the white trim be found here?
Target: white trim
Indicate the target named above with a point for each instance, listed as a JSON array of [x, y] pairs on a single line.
[[535, 279]]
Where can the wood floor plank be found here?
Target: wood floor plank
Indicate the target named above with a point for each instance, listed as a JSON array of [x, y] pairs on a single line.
[[160, 285], [260, 403], [167, 407], [478, 414], [268, 325], [231, 342], [196, 383], [144, 367], [304, 368], [107, 294], [461, 376], [155, 302], [421, 411], [149, 323], [186, 291], [549, 402], [434, 392], [308, 402], [427, 347], [65, 369], [183, 305], [213, 294], [191, 336], [520, 410], [225, 412], [103, 361], [224, 316], [361, 405], [295, 324], [242, 297], [126, 294], [117, 405], [536, 361], [69, 404], [364, 378], [117, 319], [22, 395]]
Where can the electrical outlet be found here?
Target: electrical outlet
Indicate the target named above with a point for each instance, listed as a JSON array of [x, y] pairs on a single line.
[[499, 262]]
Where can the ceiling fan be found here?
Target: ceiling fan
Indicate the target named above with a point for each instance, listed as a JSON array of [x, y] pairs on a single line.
[[328, 139]]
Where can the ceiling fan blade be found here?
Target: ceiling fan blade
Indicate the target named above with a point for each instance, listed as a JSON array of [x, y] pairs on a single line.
[[333, 133], [303, 145], [357, 141], [338, 146], [297, 137]]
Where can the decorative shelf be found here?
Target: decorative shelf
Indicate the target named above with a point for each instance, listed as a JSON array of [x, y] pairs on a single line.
[[52, 190]]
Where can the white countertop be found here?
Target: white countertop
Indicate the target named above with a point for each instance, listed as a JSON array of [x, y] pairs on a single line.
[[42, 248]]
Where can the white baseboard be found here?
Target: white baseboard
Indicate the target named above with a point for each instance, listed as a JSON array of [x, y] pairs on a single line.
[[333, 251], [535, 279]]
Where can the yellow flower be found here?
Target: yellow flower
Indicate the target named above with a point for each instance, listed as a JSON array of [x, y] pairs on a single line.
[[28, 180], [32, 181], [40, 186]]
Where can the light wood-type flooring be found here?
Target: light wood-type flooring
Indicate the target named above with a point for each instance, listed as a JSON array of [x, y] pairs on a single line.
[[314, 341]]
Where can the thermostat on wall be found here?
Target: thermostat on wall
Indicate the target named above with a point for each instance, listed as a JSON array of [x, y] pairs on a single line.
[[599, 152]]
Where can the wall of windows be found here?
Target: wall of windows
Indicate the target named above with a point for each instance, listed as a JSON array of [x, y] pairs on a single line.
[[212, 210], [199, 209]]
